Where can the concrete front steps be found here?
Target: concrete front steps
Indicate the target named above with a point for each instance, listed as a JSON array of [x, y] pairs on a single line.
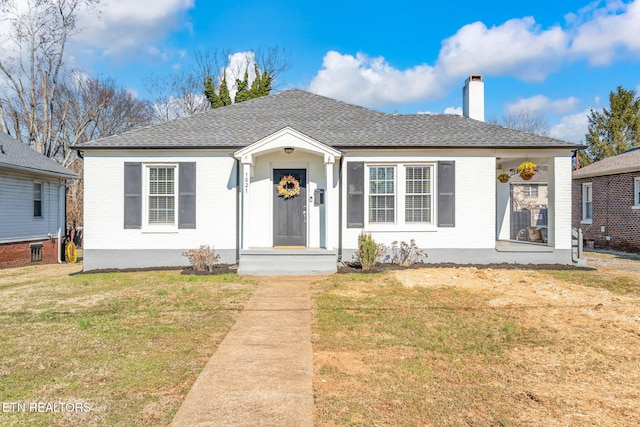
[[287, 262]]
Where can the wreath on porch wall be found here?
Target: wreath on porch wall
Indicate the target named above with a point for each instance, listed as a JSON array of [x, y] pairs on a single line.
[[288, 187]]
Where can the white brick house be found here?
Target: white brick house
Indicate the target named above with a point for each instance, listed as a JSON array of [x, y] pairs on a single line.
[[213, 178]]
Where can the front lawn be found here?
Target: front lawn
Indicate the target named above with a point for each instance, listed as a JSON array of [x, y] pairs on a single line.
[[481, 347], [110, 349]]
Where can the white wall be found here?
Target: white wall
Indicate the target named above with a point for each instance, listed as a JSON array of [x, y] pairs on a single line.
[[475, 218], [104, 202], [261, 195], [17, 222]]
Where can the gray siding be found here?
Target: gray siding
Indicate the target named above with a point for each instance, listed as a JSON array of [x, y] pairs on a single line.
[[17, 222]]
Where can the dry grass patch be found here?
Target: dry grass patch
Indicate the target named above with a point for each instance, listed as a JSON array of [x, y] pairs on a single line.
[[129, 345], [462, 346]]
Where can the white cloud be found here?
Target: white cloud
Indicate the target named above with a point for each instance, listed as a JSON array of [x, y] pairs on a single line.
[[543, 105], [518, 48], [572, 127], [132, 26], [601, 32], [453, 110], [372, 81]]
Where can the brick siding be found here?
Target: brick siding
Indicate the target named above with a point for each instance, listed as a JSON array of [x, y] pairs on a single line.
[[613, 199], [19, 254]]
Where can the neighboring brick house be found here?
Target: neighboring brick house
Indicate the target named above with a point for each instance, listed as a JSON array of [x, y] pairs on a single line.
[[32, 205], [606, 202]]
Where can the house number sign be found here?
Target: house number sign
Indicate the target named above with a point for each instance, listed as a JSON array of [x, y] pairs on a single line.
[[246, 183]]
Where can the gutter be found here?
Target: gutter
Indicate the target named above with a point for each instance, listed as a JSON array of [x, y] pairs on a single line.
[[40, 171]]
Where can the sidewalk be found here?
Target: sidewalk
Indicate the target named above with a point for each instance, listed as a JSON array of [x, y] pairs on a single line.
[[261, 374]]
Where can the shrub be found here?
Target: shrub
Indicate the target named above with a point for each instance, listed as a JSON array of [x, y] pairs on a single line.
[[403, 253], [202, 259], [367, 250]]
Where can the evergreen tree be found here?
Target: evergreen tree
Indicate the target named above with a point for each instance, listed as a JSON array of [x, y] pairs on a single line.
[[225, 97], [210, 93], [614, 130], [243, 87]]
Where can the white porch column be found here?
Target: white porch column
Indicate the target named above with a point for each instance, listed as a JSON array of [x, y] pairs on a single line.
[[329, 199], [247, 162]]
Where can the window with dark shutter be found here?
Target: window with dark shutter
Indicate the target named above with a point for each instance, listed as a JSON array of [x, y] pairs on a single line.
[[355, 194], [187, 195], [446, 194], [132, 195]]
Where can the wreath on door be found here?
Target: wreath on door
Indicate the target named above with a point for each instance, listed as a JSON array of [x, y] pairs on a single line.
[[288, 187]]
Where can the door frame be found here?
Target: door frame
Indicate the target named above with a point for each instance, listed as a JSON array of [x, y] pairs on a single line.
[[305, 208]]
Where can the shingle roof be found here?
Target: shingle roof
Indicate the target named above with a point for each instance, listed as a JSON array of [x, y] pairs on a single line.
[[19, 156], [326, 120], [629, 161]]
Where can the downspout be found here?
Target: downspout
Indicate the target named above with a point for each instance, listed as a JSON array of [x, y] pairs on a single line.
[[62, 215], [340, 210]]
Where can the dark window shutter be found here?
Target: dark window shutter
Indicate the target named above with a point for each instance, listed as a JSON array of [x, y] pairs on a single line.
[[355, 194], [446, 194], [187, 195], [132, 195]]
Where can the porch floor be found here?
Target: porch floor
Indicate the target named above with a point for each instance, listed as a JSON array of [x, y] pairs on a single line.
[[521, 246], [287, 261]]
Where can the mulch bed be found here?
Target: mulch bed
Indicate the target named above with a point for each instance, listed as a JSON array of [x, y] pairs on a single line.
[[352, 267]]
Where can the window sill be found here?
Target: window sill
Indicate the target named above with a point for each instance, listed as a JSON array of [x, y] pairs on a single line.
[[160, 230], [400, 227], [586, 221], [635, 207]]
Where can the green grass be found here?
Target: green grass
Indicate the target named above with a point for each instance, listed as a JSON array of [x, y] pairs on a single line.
[[129, 345], [444, 355]]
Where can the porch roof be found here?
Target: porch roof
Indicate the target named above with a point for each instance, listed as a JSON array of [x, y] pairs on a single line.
[[329, 121]]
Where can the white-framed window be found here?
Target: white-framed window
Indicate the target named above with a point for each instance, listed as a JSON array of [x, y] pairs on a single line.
[[382, 200], [418, 194], [636, 192], [587, 202], [161, 195], [400, 194], [530, 190], [37, 200]]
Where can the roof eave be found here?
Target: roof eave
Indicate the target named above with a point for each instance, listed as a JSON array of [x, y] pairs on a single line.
[[40, 171]]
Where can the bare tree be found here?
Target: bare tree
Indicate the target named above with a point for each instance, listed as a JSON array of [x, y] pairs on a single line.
[[530, 121], [31, 68], [176, 95], [93, 108]]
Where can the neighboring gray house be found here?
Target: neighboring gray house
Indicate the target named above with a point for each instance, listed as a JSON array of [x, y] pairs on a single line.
[[32, 205], [284, 184]]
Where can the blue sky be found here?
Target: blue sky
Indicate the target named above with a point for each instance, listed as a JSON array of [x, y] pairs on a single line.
[[561, 58]]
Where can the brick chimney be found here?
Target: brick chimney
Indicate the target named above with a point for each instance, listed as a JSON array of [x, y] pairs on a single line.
[[473, 98]]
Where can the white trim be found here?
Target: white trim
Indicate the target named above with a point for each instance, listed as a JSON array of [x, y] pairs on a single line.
[[33, 200], [400, 175], [587, 187], [294, 165], [159, 228], [285, 137]]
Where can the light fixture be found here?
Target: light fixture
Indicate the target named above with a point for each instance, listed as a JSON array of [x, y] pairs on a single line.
[[289, 150]]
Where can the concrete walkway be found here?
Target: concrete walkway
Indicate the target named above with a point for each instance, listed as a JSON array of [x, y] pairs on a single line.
[[261, 374]]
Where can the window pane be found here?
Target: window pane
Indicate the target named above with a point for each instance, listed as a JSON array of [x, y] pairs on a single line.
[[418, 194], [381, 194], [161, 195]]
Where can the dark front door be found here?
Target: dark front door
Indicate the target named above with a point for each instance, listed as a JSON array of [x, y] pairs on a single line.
[[289, 207]]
